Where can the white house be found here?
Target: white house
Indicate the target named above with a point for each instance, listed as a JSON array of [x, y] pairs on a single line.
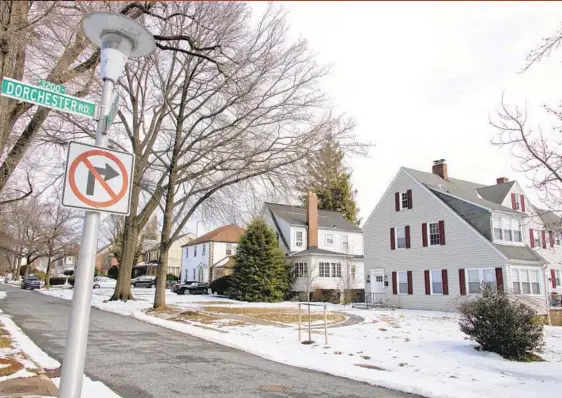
[[210, 256], [433, 239], [151, 256], [327, 250]]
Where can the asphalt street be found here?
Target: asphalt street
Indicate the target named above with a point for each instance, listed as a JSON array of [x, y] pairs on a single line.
[[139, 360]]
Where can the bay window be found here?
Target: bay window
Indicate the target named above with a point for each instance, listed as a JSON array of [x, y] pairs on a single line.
[[526, 281]]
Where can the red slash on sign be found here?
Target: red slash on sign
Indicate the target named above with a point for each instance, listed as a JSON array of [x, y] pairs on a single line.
[[95, 172]]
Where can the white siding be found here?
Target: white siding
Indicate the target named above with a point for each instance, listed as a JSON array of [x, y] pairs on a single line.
[[191, 263], [355, 240], [465, 247], [300, 284]]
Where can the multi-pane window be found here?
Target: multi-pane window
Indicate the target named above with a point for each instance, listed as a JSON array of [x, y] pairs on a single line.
[[558, 277], [345, 242], [404, 201], [229, 249], [329, 239], [436, 278], [299, 238], [401, 237], [324, 270], [507, 229], [537, 238], [517, 202], [301, 270], [526, 281], [402, 282], [480, 278], [336, 270], [434, 235]]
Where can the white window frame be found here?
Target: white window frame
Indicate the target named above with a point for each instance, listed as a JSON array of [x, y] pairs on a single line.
[[335, 270], [323, 269], [186, 252], [440, 272], [195, 251], [228, 249], [481, 278], [517, 201], [329, 239], [345, 242], [537, 237], [506, 226], [520, 271], [203, 250], [429, 224], [301, 270], [396, 237], [299, 238], [404, 198], [399, 281]]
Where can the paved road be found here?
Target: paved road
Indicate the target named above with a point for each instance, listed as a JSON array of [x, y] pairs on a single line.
[[139, 360]]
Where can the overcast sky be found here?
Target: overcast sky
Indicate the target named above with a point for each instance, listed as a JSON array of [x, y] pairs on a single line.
[[421, 80]]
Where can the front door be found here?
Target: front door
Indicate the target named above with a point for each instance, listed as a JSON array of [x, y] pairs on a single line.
[[377, 281]]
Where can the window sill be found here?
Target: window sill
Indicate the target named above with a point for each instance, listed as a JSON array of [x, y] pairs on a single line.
[[436, 294]]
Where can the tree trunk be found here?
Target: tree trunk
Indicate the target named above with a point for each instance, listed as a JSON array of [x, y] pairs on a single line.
[[27, 267], [160, 295], [16, 275], [130, 237], [48, 274]]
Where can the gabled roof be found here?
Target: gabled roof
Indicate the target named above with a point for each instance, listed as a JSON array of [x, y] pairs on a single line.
[[296, 216], [549, 218], [226, 233], [496, 193], [464, 190]]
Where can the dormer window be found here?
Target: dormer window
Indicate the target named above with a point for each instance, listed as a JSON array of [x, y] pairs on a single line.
[[517, 202], [507, 229], [329, 239], [299, 238], [345, 242]]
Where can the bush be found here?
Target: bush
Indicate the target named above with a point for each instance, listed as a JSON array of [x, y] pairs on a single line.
[[56, 280], [220, 285], [502, 325], [172, 277]]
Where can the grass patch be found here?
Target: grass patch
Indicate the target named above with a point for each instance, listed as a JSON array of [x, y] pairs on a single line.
[[276, 315], [5, 342], [12, 366], [195, 316], [213, 302], [530, 358]]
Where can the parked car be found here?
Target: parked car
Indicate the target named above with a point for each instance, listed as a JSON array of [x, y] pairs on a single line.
[[104, 282], [144, 281], [30, 282], [191, 287]]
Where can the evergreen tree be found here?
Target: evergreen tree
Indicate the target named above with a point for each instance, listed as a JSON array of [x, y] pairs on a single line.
[[261, 273], [329, 179]]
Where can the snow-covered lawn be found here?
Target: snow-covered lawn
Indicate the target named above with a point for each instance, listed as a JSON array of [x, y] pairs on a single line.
[[414, 351], [31, 356]]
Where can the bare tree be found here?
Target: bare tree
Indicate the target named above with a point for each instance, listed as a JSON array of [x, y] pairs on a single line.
[[348, 280]]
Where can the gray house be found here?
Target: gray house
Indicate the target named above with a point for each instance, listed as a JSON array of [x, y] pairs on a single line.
[[433, 240]]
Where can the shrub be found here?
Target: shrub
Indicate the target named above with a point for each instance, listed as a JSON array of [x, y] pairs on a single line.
[[55, 280], [172, 277], [220, 285], [502, 325]]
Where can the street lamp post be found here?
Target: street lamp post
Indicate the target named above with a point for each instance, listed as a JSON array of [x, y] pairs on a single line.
[[120, 38]]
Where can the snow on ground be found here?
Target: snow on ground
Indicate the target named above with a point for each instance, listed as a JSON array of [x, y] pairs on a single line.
[[421, 352], [22, 343]]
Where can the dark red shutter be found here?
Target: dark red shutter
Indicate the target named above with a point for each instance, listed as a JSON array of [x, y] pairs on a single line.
[[522, 203], [410, 283], [513, 205], [445, 278], [426, 276], [553, 278], [531, 237], [462, 282], [410, 203], [543, 236], [392, 239], [551, 238], [397, 201], [394, 284], [407, 230], [424, 234], [442, 232], [499, 280]]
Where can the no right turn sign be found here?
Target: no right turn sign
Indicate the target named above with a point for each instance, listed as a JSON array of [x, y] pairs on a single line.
[[98, 179]]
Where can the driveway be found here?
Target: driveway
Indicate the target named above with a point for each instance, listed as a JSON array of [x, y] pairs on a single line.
[[139, 360]]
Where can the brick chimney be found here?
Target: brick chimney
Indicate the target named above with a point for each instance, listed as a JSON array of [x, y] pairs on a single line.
[[440, 168], [502, 180], [312, 219]]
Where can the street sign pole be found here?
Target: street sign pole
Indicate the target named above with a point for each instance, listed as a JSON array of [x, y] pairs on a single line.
[[119, 38]]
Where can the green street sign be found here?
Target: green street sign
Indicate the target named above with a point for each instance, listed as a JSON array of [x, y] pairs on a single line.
[[40, 96], [55, 88]]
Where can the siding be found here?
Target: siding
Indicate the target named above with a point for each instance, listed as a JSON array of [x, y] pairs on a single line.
[[465, 247], [355, 241], [299, 284], [476, 216]]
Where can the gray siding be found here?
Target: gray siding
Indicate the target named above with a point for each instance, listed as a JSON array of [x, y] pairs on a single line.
[[465, 247], [476, 216]]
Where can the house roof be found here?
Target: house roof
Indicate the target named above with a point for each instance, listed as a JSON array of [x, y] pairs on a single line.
[[317, 251], [465, 190], [296, 216], [496, 193], [226, 233], [549, 218], [225, 262], [149, 244], [520, 253]]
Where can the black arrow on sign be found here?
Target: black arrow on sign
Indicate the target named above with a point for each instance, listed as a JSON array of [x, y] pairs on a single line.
[[108, 173]]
